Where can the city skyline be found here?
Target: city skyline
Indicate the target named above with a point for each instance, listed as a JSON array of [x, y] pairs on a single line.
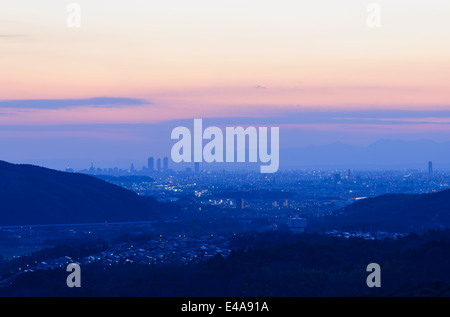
[[381, 155], [224, 151]]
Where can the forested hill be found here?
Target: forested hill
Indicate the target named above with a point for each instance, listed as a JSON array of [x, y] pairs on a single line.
[[32, 195], [395, 213]]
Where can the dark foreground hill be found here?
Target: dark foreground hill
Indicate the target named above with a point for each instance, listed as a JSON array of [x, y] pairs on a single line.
[[266, 264], [35, 195], [395, 213]]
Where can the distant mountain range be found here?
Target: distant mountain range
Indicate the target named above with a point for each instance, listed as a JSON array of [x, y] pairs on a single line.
[[382, 154], [386, 154], [402, 213], [32, 195]]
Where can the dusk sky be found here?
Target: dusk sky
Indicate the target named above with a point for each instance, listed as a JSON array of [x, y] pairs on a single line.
[[315, 69]]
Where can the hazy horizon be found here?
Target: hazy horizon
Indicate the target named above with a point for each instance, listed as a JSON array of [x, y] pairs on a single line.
[[112, 89], [383, 154]]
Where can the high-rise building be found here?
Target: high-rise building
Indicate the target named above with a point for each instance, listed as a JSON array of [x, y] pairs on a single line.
[[197, 167], [150, 163], [430, 168], [240, 204], [158, 165], [166, 163]]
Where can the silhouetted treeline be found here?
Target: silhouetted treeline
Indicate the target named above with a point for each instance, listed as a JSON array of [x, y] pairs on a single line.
[[392, 212], [272, 264]]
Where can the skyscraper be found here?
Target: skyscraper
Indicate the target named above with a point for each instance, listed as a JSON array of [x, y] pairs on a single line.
[[166, 163], [158, 165], [150, 163], [197, 167], [430, 168], [240, 204], [92, 169]]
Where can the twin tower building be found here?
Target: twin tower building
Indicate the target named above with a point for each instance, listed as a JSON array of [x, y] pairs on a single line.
[[165, 166], [151, 164]]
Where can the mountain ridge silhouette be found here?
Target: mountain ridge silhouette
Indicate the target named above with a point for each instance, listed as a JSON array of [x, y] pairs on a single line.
[[33, 195]]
